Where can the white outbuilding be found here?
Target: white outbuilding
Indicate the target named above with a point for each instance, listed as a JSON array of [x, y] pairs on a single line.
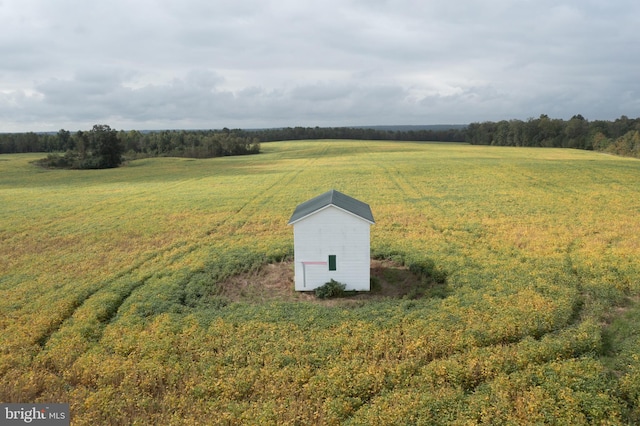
[[331, 240]]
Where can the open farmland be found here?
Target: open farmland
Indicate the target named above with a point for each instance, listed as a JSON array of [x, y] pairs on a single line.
[[110, 289]]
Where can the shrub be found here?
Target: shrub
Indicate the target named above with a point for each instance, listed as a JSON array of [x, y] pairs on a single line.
[[330, 289], [57, 161]]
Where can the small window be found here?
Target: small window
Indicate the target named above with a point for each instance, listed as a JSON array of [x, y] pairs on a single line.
[[332, 262]]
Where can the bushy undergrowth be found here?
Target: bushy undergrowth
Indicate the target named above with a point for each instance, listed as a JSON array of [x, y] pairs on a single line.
[[416, 262], [330, 290]]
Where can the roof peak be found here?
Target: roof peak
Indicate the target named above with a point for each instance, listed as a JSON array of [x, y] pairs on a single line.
[[337, 199]]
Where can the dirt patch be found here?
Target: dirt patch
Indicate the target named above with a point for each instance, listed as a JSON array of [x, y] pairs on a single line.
[[275, 282]]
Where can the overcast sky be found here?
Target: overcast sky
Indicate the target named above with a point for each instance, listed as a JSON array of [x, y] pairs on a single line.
[[207, 64]]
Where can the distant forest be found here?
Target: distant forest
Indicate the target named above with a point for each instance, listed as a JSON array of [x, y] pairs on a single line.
[[136, 144], [621, 137], [213, 143]]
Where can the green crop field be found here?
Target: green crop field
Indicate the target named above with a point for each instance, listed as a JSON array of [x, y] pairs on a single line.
[[112, 289]]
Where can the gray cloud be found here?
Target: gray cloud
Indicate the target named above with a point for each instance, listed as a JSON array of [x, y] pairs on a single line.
[[210, 64]]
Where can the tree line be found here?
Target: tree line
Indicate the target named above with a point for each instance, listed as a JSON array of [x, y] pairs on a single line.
[[104, 147], [454, 134], [621, 136], [211, 143], [189, 143]]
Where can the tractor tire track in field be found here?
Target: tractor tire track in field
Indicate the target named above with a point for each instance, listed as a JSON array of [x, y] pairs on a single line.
[[266, 195], [409, 190], [106, 286], [114, 292], [399, 179], [103, 287], [108, 199]]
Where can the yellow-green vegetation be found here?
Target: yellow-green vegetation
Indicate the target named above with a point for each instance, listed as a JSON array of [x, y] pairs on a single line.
[[109, 278]]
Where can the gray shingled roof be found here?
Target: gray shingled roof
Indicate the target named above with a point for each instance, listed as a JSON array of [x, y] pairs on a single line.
[[334, 198]]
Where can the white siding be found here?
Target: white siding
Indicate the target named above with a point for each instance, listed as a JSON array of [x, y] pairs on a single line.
[[332, 231]]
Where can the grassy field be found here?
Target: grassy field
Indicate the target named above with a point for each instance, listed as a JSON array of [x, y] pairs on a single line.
[[111, 289]]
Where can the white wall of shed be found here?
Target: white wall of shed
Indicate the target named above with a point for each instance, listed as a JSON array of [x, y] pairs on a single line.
[[332, 231]]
